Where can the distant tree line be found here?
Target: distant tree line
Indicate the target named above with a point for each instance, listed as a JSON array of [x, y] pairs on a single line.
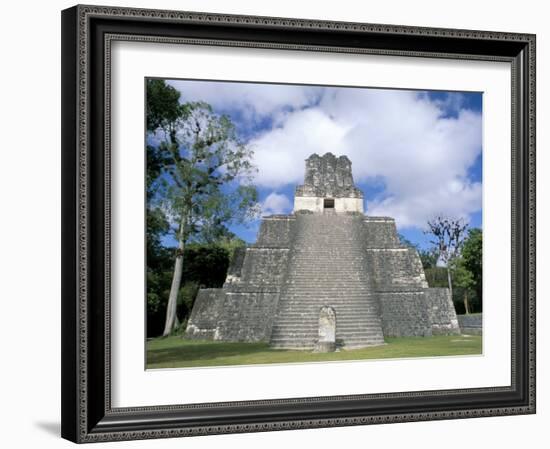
[[455, 261]]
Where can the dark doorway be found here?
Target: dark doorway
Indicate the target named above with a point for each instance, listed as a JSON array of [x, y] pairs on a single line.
[[328, 203]]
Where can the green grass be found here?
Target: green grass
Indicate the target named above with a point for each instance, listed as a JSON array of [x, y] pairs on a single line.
[[176, 352]]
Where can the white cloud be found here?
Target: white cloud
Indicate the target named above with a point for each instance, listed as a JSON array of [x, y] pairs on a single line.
[[456, 199], [254, 101], [276, 203], [399, 138], [280, 153]]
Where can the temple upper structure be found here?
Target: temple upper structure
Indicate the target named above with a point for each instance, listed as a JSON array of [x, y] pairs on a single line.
[[324, 277], [328, 184]]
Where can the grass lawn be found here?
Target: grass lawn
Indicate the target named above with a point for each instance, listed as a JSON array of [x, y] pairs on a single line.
[[176, 352]]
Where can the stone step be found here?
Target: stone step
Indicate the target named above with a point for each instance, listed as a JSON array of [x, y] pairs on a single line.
[[349, 326], [320, 283], [346, 251], [297, 335], [316, 266], [302, 316], [313, 317], [323, 295], [339, 281], [332, 301], [360, 300], [325, 259], [290, 346], [306, 287], [307, 317], [370, 339], [341, 291], [344, 334], [311, 344], [325, 248], [362, 322], [370, 327], [309, 270], [329, 298], [350, 339], [341, 309], [312, 321], [327, 267], [344, 271]]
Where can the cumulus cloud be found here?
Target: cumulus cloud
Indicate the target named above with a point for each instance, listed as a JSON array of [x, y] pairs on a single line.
[[280, 152], [419, 148], [253, 101], [276, 203], [456, 199], [419, 152]]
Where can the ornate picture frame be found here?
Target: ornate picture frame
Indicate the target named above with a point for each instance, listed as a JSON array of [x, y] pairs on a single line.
[[87, 35]]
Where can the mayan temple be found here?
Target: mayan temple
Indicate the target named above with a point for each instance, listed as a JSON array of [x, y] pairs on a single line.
[[324, 277]]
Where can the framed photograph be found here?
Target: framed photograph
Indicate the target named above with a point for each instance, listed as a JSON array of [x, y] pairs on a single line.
[[276, 224]]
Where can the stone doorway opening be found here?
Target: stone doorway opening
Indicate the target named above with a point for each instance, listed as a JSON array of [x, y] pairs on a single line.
[[328, 203]]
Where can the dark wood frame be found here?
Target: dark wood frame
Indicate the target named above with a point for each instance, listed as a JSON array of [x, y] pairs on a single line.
[[87, 32]]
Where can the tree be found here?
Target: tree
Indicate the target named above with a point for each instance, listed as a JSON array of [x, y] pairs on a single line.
[[428, 258], [206, 176], [437, 277], [231, 244], [206, 264], [464, 279], [448, 239], [472, 253], [163, 106]]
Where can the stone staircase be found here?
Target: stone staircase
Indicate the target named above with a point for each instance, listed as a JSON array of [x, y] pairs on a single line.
[[327, 268]]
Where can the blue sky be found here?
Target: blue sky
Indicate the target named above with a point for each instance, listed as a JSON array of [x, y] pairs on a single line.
[[414, 154]]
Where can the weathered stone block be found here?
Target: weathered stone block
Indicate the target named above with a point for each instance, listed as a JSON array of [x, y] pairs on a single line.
[[203, 321], [442, 311], [471, 324]]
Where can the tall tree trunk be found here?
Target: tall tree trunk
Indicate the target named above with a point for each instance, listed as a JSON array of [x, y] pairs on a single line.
[[171, 308], [466, 305], [449, 280]]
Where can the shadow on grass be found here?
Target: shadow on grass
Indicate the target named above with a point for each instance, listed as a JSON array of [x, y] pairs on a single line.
[[200, 351]]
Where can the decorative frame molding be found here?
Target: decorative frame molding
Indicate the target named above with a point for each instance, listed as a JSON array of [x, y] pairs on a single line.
[[87, 34]]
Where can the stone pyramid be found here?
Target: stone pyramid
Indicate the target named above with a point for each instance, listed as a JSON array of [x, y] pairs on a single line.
[[324, 277]]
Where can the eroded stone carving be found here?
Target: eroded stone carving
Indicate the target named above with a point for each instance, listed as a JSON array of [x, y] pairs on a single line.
[[327, 330], [328, 177]]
